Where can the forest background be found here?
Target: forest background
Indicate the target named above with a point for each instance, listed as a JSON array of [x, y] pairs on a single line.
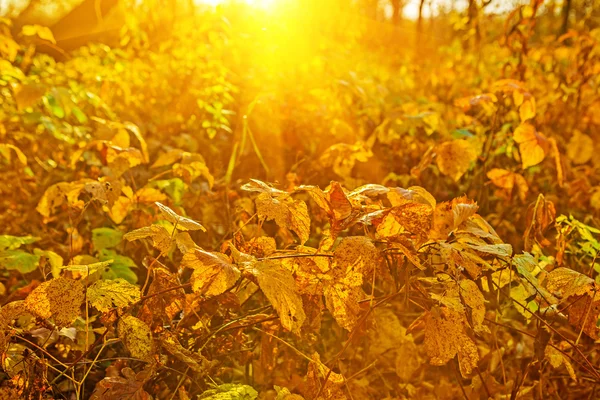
[[299, 199]]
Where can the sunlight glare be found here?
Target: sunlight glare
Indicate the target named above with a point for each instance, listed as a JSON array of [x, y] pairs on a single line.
[[264, 4]]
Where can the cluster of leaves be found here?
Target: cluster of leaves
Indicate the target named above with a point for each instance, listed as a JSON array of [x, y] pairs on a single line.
[[142, 258]]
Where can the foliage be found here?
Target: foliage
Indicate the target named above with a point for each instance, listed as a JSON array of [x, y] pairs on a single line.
[[430, 230]]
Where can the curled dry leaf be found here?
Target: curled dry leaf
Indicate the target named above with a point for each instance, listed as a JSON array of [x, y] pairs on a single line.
[[540, 216], [59, 298]]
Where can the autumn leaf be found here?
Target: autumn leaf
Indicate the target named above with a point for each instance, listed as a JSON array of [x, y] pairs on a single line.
[[163, 306], [213, 272], [540, 217], [287, 213], [527, 109], [59, 298], [445, 338], [106, 294], [581, 293], [278, 285], [128, 387], [230, 391], [454, 158], [356, 253], [556, 358], [57, 195], [532, 144], [136, 336], [161, 238], [342, 301], [580, 148], [5, 151], [568, 282], [195, 361], [181, 223], [149, 195], [42, 32], [508, 180], [409, 218]]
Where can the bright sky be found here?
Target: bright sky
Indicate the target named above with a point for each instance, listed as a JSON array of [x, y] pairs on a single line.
[[410, 11]]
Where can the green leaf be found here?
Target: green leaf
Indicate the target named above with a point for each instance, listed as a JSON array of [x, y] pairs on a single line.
[[106, 294], [53, 106], [120, 268], [20, 260], [8, 242], [106, 238], [81, 117], [87, 269], [230, 391], [173, 187]]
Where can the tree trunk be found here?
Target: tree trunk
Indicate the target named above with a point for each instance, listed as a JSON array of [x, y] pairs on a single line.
[[565, 16], [396, 11]]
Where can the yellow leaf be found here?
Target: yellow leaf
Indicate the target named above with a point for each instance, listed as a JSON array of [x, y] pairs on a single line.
[[149, 195], [474, 301], [213, 272], [277, 283], [580, 148], [356, 253], [407, 360], [556, 358], [59, 298], [343, 303], [568, 282], [193, 170], [107, 294], [5, 152], [168, 158], [161, 238], [527, 109], [118, 212], [287, 213], [40, 31], [136, 336], [508, 180], [413, 218], [454, 158], [121, 139], [445, 338], [531, 144], [181, 223], [61, 193]]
